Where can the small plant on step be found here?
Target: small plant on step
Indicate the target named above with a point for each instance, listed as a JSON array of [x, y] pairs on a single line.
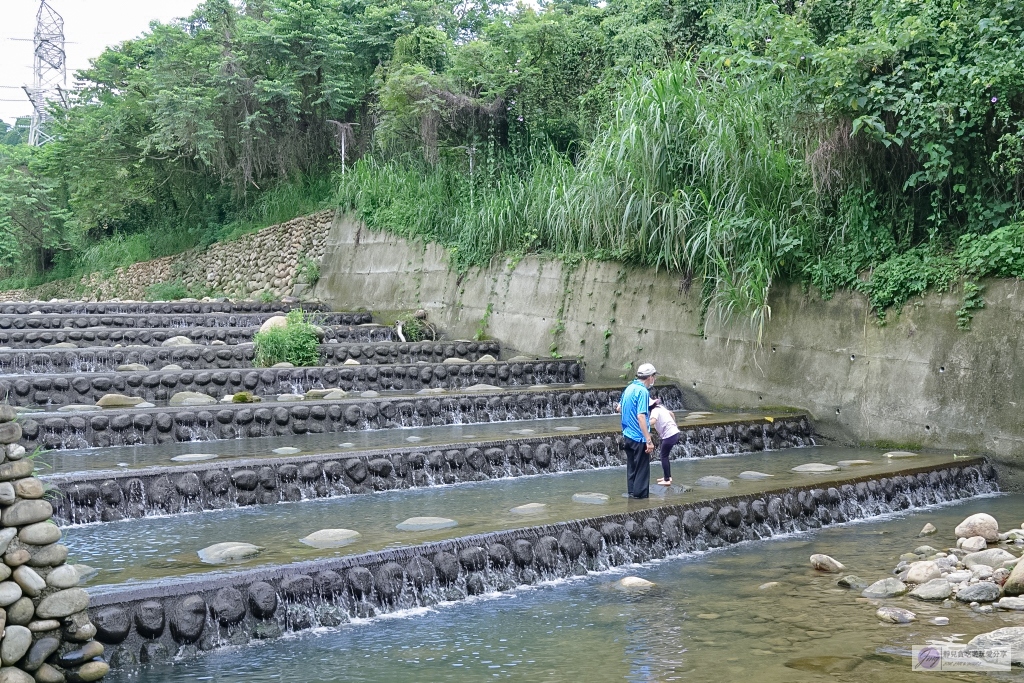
[[296, 342]]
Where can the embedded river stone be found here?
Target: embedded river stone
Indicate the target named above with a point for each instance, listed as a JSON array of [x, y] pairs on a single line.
[[993, 557], [1011, 637], [529, 509], [590, 498], [27, 512], [426, 524], [330, 538], [713, 482], [191, 398], [826, 563], [118, 401], [751, 475], [899, 455], [64, 576], [229, 551], [633, 583], [853, 463], [287, 450], [194, 457], [814, 468], [41, 533]]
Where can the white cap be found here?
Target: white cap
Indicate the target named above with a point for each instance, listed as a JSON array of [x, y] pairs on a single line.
[[645, 371]]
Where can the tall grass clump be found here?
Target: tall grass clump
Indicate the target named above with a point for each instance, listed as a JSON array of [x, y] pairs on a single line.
[[296, 342], [694, 172]]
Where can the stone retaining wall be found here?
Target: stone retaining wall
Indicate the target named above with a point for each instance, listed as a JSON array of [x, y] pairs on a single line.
[[178, 618], [233, 357], [60, 390], [106, 496], [231, 421], [45, 321], [38, 339], [263, 262], [144, 307], [47, 635]]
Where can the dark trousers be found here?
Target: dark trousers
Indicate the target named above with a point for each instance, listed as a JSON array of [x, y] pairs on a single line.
[[666, 449], [638, 469]]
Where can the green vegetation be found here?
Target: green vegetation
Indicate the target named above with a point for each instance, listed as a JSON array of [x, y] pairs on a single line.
[[296, 342], [415, 329], [840, 144]]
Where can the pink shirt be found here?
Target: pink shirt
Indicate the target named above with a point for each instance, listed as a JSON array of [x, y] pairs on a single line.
[[663, 422]]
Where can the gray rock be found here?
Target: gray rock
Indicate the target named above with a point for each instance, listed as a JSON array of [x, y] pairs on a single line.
[[983, 591], [1014, 604], [132, 367], [886, 588], [590, 498], [290, 398], [26, 512], [17, 640], [64, 576], [21, 612], [852, 581], [31, 583], [229, 551], [40, 533], [1012, 637], [825, 563], [714, 482], [172, 367], [191, 398], [993, 557], [980, 524], [62, 604], [936, 589], [30, 487], [118, 401], [895, 615], [7, 496], [330, 538], [426, 524], [177, 341], [78, 408], [751, 475], [814, 468]]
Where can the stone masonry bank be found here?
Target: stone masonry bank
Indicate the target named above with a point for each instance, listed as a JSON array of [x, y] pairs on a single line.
[[47, 635]]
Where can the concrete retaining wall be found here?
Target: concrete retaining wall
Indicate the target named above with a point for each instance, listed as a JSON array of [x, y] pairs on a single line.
[[231, 421], [180, 617], [60, 390], [916, 382], [105, 496]]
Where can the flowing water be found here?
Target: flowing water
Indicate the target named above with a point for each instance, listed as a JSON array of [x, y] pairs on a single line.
[[127, 457], [705, 620], [155, 547]]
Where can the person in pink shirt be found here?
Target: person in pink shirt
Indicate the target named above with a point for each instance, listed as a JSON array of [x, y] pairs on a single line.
[[663, 421]]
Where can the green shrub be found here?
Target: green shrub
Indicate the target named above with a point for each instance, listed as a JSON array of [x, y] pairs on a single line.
[[309, 270], [296, 342], [415, 329], [167, 291]]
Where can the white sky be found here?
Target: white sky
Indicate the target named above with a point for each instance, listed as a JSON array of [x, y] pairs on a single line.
[[89, 27]]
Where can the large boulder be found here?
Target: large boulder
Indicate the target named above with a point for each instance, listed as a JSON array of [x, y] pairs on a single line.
[[980, 524], [1012, 637], [993, 557], [271, 323], [1015, 582]]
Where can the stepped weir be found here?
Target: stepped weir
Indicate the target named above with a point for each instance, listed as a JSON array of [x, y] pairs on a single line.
[[189, 522]]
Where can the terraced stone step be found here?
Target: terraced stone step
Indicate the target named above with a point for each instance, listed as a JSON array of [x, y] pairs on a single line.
[[103, 337], [146, 307], [232, 421], [230, 357], [45, 321], [177, 616], [63, 389], [210, 485]]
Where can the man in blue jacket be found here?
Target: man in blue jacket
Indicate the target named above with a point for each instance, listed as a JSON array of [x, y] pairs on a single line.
[[636, 429]]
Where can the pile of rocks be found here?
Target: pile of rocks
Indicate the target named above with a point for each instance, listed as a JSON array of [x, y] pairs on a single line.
[[980, 572], [47, 634], [265, 262]]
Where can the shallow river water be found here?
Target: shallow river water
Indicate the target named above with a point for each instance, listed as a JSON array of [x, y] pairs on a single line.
[[707, 619]]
